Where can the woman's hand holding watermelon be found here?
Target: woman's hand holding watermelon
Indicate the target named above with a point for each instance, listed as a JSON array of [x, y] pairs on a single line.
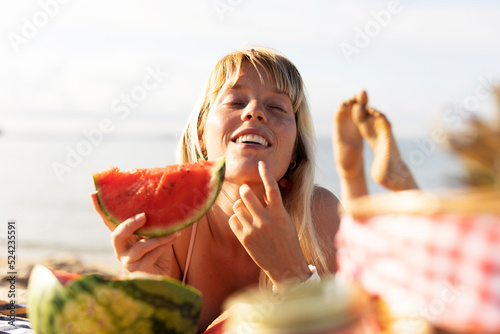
[[268, 233], [136, 253]]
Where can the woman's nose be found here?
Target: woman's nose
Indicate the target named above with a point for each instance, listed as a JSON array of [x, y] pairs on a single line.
[[254, 111]]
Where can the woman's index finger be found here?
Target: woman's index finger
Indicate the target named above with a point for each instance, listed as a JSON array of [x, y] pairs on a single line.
[[272, 190]]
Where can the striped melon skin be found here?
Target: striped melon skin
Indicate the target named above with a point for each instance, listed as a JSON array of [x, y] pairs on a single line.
[[96, 304], [172, 197]]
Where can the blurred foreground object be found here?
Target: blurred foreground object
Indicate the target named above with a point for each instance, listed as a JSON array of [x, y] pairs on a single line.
[[61, 302], [329, 307], [431, 257]]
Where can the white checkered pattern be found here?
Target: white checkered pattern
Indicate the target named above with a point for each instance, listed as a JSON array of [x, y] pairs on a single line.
[[444, 267]]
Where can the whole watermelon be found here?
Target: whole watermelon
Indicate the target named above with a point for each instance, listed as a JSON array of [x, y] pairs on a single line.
[[98, 304]]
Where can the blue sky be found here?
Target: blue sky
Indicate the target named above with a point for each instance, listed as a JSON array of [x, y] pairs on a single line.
[[65, 64]]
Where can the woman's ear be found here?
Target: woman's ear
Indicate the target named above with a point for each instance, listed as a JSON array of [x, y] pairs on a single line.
[[293, 159]]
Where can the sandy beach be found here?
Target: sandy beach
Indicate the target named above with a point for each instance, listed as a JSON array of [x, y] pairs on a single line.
[[67, 263]]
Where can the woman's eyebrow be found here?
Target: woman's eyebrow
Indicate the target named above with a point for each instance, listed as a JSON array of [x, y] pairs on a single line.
[[238, 87]]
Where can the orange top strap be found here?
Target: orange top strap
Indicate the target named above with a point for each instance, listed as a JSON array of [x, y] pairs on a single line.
[[190, 252]]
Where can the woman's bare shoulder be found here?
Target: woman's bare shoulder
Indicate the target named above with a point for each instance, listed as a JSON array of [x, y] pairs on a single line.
[[325, 202], [326, 219]]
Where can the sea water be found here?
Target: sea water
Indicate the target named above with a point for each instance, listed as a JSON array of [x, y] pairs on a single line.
[[51, 204]]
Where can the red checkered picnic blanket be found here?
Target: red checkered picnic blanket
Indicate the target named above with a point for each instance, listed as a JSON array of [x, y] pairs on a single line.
[[444, 268]]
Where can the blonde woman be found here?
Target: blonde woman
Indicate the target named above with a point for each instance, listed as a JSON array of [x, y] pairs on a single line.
[[270, 224]]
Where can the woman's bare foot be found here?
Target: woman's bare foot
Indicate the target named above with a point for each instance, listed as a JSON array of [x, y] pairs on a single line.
[[388, 168], [348, 150]]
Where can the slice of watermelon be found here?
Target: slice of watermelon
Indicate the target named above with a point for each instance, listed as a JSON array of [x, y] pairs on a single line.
[[172, 197]]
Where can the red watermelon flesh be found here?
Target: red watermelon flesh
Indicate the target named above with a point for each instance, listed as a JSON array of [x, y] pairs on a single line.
[[172, 197], [65, 277]]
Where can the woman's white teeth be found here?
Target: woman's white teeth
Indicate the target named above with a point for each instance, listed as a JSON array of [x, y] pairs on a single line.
[[252, 139]]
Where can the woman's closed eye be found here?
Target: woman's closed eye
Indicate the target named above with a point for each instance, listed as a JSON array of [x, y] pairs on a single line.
[[276, 104], [234, 103], [279, 108]]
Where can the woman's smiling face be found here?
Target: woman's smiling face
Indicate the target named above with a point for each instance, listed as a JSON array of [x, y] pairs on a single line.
[[249, 122]]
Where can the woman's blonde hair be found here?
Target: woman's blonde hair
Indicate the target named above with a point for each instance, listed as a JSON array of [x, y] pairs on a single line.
[[298, 200]]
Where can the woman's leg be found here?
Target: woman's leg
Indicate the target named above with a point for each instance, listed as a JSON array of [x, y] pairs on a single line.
[[354, 122]]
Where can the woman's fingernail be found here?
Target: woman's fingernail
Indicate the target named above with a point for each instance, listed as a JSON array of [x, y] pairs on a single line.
[[140, 216], [244, 188]]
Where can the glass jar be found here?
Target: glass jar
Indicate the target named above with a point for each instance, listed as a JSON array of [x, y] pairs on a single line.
[[329, 307]]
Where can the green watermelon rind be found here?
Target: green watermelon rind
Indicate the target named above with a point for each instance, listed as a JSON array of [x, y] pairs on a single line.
[[44, 292], [99, 304], [216, 181]]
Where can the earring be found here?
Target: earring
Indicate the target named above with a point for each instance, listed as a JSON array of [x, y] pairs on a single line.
[[287, 184], [292, 165]]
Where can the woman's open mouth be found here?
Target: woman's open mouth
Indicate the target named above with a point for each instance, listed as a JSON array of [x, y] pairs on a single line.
[[252, 139]]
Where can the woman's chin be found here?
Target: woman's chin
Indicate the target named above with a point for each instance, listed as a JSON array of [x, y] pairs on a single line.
[[238, 171]]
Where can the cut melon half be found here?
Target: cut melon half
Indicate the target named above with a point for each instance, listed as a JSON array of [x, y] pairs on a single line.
[[66, 303], [172, 197]]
